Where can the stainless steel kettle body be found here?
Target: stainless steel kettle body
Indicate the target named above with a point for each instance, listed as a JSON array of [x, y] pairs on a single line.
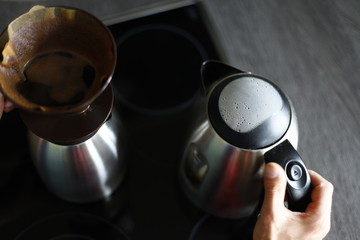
[[220, 174], [86, 171]]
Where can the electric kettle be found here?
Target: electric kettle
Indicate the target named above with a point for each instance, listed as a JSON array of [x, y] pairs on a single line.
[[56, 66], [242, 121]]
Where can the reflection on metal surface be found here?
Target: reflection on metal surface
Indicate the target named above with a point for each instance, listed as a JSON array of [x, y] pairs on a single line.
[[86, 171], [196, 165]]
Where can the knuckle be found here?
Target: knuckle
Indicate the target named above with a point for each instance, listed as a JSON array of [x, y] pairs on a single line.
[[330, 187], [320, 228]]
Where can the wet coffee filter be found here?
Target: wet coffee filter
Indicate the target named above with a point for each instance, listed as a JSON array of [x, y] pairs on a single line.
[[56, 59], [57, 79]]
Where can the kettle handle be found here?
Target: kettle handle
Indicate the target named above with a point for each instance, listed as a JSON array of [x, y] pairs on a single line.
[[299, 187], [212, 71]]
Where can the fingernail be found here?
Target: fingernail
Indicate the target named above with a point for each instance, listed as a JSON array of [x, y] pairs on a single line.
[[270, 171]]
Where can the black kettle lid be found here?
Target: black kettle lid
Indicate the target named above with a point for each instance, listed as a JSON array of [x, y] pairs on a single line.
[[249, 111]]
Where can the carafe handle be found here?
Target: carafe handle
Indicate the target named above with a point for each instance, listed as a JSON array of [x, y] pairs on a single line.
[[299, 187]]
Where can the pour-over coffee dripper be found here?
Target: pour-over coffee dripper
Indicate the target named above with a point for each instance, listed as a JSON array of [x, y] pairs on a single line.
[[57, 65], [67, 44]]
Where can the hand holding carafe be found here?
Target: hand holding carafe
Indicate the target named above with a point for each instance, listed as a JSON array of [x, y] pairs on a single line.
[[5, 105]]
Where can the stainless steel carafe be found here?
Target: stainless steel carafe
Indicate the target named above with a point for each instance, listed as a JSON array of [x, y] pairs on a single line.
[[241, 121], [82, 172], [56, 67]]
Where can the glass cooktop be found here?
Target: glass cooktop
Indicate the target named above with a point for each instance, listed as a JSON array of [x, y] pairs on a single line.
[[157, 80]]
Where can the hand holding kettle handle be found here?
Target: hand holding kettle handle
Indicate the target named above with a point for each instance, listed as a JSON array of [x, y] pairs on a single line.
[[299, 187]]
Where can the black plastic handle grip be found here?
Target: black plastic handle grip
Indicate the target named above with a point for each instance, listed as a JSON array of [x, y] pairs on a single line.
[[299, 187]]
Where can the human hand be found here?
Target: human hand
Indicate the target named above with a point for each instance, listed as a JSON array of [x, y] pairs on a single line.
[[5, 105], [276, 222]]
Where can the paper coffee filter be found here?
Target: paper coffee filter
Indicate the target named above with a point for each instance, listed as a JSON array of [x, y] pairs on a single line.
[[56, 59]]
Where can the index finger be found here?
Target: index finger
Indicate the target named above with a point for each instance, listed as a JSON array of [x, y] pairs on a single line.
[[321, 195]]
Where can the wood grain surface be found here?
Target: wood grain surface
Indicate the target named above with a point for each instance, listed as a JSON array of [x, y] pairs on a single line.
[[311, 50]]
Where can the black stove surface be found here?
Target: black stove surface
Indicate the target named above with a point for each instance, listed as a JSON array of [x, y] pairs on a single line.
[[156, 81]]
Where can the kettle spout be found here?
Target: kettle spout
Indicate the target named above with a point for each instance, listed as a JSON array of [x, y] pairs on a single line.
[[213, 71]]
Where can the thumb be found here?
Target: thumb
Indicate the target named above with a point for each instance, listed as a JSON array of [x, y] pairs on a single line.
[[275, 186]]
